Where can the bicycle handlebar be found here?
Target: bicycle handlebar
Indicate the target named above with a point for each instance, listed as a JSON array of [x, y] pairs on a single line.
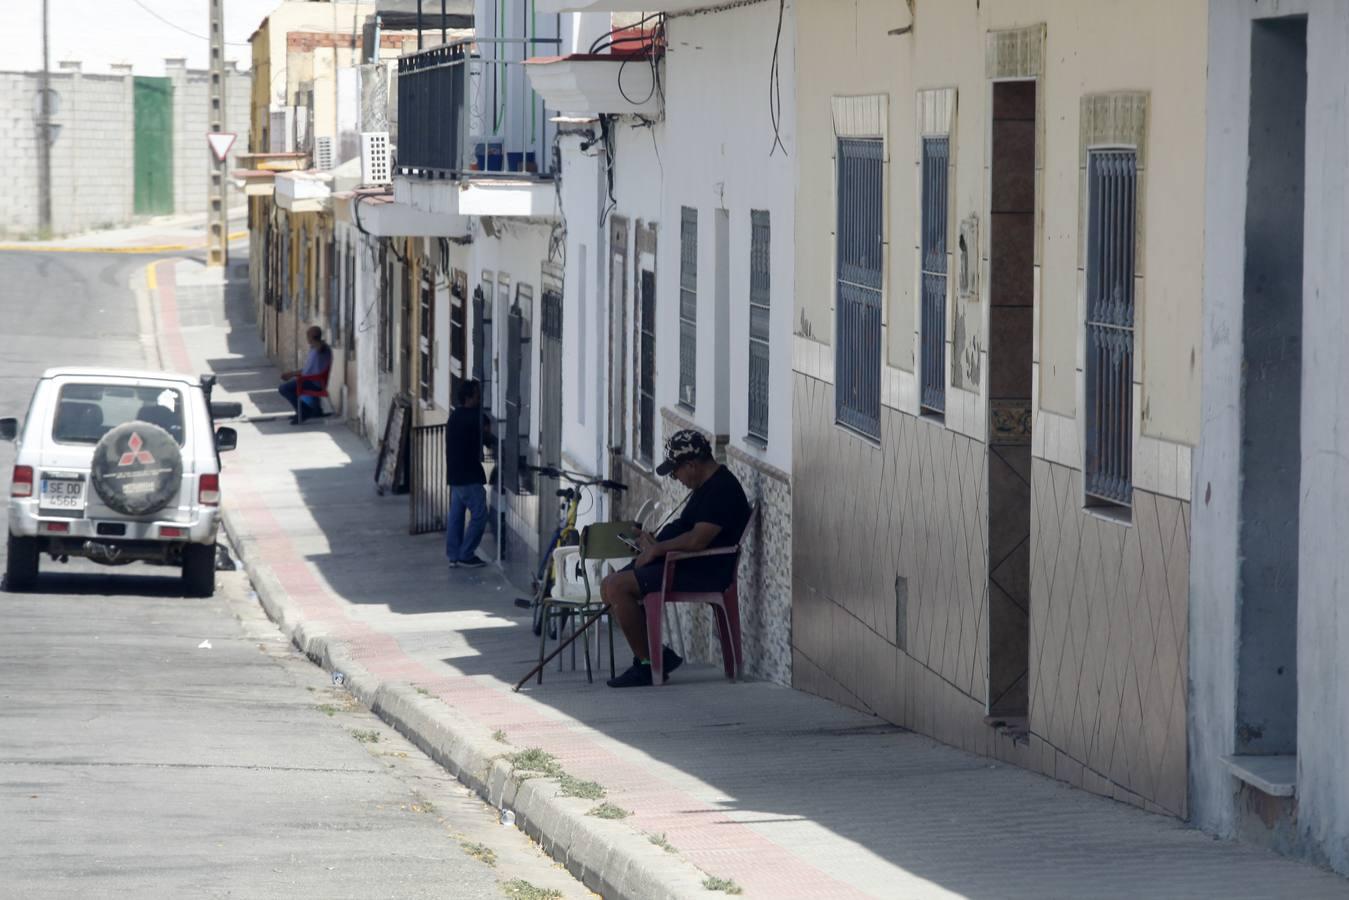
[[575, 478]]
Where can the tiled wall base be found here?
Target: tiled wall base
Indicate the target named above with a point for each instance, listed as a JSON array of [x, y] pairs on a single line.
[[1109, 637], [889, 603]]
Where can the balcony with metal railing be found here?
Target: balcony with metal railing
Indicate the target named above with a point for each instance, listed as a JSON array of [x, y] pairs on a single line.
[[472, 119]]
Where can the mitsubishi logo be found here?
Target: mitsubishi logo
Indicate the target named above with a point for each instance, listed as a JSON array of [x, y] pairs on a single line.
[[134, 452]]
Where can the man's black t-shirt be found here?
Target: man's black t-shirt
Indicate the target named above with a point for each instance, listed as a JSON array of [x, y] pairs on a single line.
[[720, 500], [463, 447]]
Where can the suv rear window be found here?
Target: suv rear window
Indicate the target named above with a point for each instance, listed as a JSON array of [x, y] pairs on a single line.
[[86, 412]]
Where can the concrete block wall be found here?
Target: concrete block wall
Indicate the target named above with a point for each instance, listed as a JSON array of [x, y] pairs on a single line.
[[192, 157], [92, 156]]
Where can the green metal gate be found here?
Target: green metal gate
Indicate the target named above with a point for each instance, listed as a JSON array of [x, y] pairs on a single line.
[[154, 146]]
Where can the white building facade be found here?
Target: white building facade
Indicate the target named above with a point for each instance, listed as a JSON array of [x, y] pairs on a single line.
[[1269, 646]]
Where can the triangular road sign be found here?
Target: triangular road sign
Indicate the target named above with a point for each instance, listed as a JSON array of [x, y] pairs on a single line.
[[221, 142]]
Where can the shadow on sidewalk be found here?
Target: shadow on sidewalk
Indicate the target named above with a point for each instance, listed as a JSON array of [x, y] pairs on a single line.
[[846, 793]]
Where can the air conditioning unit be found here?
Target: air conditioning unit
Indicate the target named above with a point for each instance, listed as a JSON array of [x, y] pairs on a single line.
[[375, 157], [323, 153]]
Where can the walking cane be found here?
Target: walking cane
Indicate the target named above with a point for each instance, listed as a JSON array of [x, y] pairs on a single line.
[[562, 645]]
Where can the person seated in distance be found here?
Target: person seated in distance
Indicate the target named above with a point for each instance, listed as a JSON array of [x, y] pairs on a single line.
[[320, 359], [714, 516]]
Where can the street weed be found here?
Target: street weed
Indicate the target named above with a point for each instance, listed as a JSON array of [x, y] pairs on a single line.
[[661, 841], [536, 760], [713, 883], [423, 806], [366, 736], [576, 787], [522, 890], [609, 811], [328, 709], [423, 691], [499, 736], [481, 852]]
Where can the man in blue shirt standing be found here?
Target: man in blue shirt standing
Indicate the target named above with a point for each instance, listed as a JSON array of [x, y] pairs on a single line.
[[319, 361]]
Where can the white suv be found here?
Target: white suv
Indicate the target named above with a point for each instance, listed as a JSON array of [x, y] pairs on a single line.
[[117, 466]]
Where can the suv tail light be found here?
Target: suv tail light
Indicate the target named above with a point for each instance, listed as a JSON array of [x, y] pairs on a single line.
[[22, 484], [208, 490]]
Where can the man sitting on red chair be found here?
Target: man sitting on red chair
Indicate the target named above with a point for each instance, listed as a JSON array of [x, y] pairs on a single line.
[[714, 516], [314, 374]]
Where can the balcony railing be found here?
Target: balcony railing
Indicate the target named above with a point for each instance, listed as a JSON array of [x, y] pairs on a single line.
[[461, 114]]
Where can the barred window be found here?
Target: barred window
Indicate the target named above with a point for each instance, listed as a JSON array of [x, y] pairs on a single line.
[[860, 240], [1112, 181], [688, 307], [426, 322], [646, 374], [935, 200], [759, 297]]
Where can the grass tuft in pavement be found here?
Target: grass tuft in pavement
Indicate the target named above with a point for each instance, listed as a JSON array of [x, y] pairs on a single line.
[[522, 890], [609, 811], [366, 736], [661, 841], [328, 709], [481, 852], [576, 787], [536, 760], [713, 883], [499, 736]]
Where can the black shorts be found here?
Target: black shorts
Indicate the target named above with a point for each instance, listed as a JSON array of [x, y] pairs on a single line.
[[695, 576]]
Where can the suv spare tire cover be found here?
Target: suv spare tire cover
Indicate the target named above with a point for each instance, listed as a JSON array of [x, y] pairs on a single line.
[[137, 468]]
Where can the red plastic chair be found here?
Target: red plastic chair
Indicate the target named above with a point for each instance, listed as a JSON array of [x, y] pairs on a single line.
[[302, 391], [725, 607]]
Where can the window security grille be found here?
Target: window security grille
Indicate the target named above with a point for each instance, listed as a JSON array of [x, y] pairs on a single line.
[[426, 321], [688, 307], [857, 347], [936, 160], [646, 375], [759, 297], [1112, 177]]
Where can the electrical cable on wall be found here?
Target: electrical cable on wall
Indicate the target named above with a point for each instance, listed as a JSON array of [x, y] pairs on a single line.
[[775, 85]]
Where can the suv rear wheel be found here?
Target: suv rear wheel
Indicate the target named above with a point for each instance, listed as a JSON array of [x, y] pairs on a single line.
[[199, 570], [21, 563]]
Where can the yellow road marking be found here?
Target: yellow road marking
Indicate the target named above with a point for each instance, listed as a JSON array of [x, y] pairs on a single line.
[[157, 248], [151, 279]]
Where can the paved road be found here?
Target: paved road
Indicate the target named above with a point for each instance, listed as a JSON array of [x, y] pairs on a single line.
[[135, 762]]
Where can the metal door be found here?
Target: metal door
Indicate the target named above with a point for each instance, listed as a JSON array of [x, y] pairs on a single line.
[[550, 396], [153, 109]]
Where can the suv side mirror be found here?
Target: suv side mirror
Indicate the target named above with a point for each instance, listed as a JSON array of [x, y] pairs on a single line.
[[226, 409], [9, 429], [226, 439]]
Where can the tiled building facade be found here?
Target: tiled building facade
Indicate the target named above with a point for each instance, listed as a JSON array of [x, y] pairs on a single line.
[[995, 551]]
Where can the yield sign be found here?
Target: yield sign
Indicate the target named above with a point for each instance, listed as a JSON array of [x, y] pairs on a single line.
[[221, 142]]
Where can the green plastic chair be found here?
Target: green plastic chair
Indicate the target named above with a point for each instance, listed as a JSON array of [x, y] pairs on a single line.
[[573, 595]]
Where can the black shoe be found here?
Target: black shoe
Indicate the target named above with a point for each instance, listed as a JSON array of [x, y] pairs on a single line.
[[639, 675], [475, 562], [670, 661]]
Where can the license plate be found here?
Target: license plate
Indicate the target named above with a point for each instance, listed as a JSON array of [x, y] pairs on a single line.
[[62, 496]]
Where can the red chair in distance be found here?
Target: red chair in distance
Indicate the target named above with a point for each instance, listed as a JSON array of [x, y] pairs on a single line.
[[725, 607], [319, 393]]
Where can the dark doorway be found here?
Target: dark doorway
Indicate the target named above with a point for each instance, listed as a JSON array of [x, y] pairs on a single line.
[[550, 400], [1011, 356], [1271, 446]]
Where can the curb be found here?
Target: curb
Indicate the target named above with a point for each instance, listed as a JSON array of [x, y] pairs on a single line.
[[610, 858]]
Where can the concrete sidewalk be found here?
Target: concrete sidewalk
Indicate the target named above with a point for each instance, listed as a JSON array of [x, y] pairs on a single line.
[[784, 794]]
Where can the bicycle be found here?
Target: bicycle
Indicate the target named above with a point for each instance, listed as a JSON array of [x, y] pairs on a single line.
[[565, 535]]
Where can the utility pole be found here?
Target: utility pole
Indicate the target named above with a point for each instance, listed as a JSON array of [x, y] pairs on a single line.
[[217, 216], [44, 138]]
